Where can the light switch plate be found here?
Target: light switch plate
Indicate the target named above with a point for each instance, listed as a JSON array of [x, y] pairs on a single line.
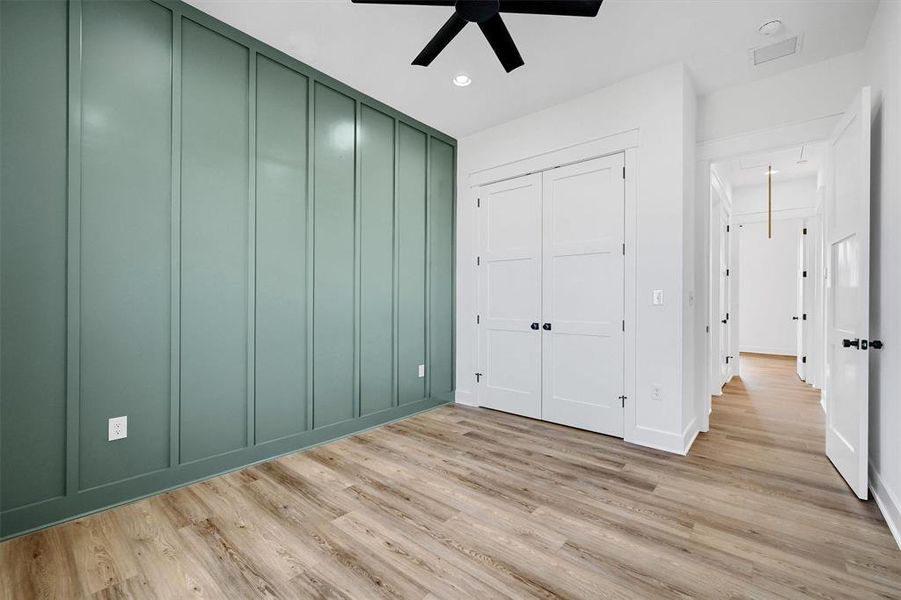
[[118, 428], [657, 297], [422, 370]]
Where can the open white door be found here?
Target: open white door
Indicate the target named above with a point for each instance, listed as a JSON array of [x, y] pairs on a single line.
[[510, 296], [847, 294], [583, 275], [801, 310]]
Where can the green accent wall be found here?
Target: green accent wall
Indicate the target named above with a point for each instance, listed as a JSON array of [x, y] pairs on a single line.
[[241, 254]]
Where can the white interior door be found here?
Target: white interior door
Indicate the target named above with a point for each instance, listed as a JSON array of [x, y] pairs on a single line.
[[801, 310], [582, 295], [847, 294], [725, 345], [510, 296]]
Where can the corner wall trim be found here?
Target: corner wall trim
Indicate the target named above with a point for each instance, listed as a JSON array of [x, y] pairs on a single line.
[[888, 504]]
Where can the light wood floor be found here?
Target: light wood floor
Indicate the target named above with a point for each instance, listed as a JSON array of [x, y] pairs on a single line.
[[463, 502]]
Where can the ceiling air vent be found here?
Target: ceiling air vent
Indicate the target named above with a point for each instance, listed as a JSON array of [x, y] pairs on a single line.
[[786, 47]]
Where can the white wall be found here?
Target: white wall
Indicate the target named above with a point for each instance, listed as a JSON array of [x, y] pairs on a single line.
[[789, 199], [883, 70], [819, 90], [657, 104], [768, 284]]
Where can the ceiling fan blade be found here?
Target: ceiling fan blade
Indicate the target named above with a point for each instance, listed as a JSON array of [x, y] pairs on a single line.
[[566, 8], [448, 31], [499, 37], [411, 2]]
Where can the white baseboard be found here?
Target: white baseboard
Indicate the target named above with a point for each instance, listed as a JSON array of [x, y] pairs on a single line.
[[689, 436], [887, 502], [657, 439], [465, 397]]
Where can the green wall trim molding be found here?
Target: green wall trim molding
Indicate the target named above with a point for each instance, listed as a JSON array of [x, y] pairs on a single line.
[[243, 255], [41, 515]]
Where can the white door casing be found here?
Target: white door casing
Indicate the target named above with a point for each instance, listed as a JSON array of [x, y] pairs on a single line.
[[847, 293], [583, 295], [510, 296], [724, 297]]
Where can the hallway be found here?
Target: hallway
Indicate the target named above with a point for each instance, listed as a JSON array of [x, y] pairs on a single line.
[[466, 502]]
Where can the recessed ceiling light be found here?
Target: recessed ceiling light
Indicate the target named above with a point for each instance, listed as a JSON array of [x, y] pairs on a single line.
[[770, 27], [462, 80]]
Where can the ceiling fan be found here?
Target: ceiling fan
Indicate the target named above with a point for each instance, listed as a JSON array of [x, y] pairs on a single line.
[[487, 14]]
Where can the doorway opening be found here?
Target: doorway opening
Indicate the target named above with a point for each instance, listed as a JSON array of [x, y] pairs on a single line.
[[767, 273]]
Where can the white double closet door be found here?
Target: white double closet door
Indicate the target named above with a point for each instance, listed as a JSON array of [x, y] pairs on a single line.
[[551, 289]]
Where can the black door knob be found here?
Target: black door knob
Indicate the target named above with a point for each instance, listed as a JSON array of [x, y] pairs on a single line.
[[534, 326], [794, 318], [846, 343], [546, 326], [724, 321]]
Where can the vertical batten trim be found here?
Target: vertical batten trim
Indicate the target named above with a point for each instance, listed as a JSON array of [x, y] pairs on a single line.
[[251, 243], [175, 250], [395, 274], [311, 241], [358, 259], [427, 358], [453, 226], [73, 254]]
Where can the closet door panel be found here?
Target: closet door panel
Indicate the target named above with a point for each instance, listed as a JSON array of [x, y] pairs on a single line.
[[582, 295], [510, 296]]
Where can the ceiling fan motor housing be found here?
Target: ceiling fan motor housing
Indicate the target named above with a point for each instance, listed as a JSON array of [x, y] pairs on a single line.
[[477, 11]]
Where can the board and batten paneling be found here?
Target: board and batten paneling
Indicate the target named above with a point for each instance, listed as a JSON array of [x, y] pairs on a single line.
[[240, 254], [125, 238], [33, 185], [377, 255], [411, 233], [281, 251], [214, 248]]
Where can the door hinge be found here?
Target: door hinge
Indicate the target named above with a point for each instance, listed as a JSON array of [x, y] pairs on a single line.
[[624, 248], [804, 274], [624, 324], [624, 172], [727, 272], [707, 329], [804, 231], [803, 359], [728, 229], [804, 317], [478, 203], [478, 261], [478, 319], [478, 375]]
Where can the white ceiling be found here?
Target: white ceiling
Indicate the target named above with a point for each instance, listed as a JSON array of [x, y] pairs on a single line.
[[370, 48], [791, 163]]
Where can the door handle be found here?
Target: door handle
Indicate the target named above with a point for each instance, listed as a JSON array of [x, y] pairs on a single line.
[[846, 343], [724, 321], [876, 344], [546, 326], [794, 318], [534, 326]]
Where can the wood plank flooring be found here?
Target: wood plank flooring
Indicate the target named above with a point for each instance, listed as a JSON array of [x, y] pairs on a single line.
[[470, 503]]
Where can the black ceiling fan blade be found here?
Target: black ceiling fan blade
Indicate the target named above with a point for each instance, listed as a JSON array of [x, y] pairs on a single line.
[[499, 37], [566, 8], [410, 2], [448, 31]]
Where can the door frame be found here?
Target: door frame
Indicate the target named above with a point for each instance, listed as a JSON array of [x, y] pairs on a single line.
[[706, 154], [625, 143]]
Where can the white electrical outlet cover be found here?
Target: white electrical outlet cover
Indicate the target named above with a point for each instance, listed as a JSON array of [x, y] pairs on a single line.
[[422, 370], [657, 297], [118, 428]]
